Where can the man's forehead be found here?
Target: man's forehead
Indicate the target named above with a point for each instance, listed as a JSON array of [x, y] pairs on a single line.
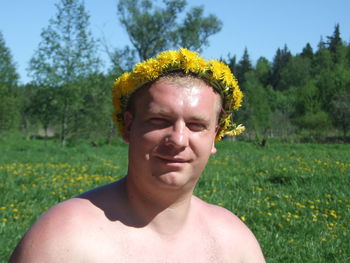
[[165, 98], [183, 80], [173, 84]]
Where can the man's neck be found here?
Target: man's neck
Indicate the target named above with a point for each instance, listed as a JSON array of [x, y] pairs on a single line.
[[163, 211]]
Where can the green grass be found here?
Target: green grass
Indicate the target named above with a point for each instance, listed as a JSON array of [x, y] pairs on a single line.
[[294, 197]]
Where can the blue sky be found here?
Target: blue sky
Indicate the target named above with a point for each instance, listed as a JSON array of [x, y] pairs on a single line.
[[261, 26]]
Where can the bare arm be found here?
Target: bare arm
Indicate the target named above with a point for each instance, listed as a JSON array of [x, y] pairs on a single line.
[[51, 238]]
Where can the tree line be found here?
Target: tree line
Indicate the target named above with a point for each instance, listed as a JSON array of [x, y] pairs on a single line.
[[307, 94], [69, 96]]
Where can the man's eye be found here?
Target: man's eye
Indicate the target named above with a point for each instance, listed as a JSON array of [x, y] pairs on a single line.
[[159, 121], [196, 126]]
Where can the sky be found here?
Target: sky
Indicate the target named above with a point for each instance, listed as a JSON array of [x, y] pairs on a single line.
[[261, 26]]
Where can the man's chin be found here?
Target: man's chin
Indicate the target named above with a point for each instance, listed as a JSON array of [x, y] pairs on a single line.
[[173, 180]]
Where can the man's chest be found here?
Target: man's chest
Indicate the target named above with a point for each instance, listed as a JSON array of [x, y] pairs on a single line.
[[138, 246]]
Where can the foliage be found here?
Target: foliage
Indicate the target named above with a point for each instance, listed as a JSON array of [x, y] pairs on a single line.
[[341, 110], [152, 29], [258, 115], [300, 93], [280, 61], [9, 94], [65, 57], [294, 197], [244, 66]]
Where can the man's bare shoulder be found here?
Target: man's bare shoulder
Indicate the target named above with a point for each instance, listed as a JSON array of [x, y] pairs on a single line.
[[230, 231], [61, 232]]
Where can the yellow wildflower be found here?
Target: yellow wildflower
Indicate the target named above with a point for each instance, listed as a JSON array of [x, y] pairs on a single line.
[[215, 72]]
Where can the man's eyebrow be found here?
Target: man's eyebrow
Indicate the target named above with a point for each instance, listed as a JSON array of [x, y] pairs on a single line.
[[159, 111], [200, 118], [165, 113]]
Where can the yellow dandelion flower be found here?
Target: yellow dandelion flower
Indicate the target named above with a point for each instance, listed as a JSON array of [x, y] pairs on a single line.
[[236, 131], [215, 72], [170, 57], [147, 70], [238, 95]]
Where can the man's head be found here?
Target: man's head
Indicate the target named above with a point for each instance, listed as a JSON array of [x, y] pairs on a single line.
[[215, 73]]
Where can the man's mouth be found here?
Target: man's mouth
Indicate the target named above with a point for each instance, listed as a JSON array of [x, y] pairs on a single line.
[[169, 159]]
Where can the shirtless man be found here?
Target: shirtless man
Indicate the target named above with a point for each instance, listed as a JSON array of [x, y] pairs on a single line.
[[150, 215]]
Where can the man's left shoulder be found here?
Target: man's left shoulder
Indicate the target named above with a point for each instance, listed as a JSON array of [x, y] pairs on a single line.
[[221, 217], [230, 231]]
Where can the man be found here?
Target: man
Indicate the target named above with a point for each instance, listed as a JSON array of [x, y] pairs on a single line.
[[170, 110]]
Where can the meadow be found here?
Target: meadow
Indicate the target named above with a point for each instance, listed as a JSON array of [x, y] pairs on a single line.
[[294, 197]]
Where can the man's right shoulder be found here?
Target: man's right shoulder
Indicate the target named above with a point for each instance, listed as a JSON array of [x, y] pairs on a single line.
[[53, 238]]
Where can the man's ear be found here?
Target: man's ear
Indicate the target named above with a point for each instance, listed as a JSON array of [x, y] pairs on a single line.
[[127, 125], [213, 148]]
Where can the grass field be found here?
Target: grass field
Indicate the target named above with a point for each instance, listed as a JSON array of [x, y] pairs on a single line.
[[294, 197]]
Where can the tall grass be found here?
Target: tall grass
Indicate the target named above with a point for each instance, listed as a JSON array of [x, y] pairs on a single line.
[[294, 197]]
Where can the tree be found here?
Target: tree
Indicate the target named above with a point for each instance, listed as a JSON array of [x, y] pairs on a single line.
[[94, 120], [10, 103], [43, 106], [307, 52], [335, 45], [66, 55], [244, 66], [295, 73], [257, 106], [232, 63], [341, 110], [152, 29], [194, 32], [280, 60], [262, 70], [335, 40]]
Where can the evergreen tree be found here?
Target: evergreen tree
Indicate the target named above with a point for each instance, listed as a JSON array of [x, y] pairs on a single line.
[[280, 61], [335, 44], [65, 56], [307, 52], [244, 66], [321, 44], [335, 40], [152, 28], [232, 63], [10, 102]]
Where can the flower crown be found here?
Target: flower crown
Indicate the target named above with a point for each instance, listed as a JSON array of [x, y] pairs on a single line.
[[214, 72]]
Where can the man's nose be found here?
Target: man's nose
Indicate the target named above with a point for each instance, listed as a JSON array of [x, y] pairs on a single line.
[[178, 135]]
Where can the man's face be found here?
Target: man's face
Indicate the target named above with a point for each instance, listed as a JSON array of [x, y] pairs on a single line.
[[172, 133]]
